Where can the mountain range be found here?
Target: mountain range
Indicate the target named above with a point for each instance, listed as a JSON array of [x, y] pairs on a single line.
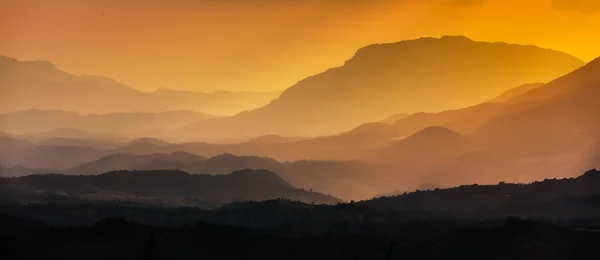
[[64, 124], [41, 85], [531, 132], [383, 79], [171, 187]]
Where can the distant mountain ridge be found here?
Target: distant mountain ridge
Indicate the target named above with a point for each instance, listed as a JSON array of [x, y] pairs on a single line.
[[40, 85], [65, 124], [380, 80], [344, 179]]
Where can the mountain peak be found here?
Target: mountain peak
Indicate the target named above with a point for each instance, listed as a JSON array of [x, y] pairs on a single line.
[[434, 134], [36, 64], [591, 174], [456, 38], [5, 59]]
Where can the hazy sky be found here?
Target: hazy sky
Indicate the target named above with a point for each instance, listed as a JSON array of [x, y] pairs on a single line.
[[207, 45]]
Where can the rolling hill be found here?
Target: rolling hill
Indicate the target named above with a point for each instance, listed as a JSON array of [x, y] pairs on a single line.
[[168, 187], [343, 179]]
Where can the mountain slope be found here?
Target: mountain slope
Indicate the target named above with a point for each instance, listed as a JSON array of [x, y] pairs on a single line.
[[511, 93], [427, 145], [558, 117], [395, 117], [464, 120], [583, 76], [549, 199], [380, 80], [58, 90]]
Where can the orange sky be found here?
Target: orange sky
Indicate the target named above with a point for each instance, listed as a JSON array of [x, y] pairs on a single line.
[[206, 45]]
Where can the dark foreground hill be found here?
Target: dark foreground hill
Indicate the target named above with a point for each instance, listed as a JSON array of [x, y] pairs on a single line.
[[345, 179], [120, 239], [158, 187], [574, 199]]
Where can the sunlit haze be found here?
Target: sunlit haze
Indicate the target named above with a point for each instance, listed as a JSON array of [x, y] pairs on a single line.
[[209, 45], [300, 129]]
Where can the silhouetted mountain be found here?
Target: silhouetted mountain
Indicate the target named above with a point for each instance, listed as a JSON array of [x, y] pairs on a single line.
[[348, 145], [392, 119], [511, 93], [387, 78], [63, 124], [562, 200], [170, 187], [551, 198], [12, 143], [348, 180], [19, 170], [56, 89], [149, 141], [274, 139], [558, 118], [121, 161], [65, 132], [57, 157], [464, 120], [425, 146], [97, 143], [584, 76]]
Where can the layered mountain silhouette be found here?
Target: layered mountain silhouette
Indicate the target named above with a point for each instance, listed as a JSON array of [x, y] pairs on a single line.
[[63, 124], [558, 117], [274, 139], [40, 85], [512, 93], [168, 187], [554, 198], [347, 180], [122, 161], [422, 75], [19, 170], [546, 132], [395, 117], [424, 146], [14, 152], [97, 143]]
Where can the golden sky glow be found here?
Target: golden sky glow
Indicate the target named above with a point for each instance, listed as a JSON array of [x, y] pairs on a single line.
[[207, 45]]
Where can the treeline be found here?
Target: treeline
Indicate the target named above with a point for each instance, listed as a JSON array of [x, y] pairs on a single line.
[[117, 238]]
